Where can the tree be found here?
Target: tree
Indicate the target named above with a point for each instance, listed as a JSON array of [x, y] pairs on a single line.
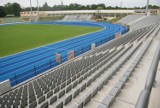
[[117, 7], [16, 9], [102, 6], [2, 11], [82, 7], [151, 7], [88, 7], [110, 7], [45, 7], [27, 9], [58, 7], [9, 8], [93, 6], [74, 6]]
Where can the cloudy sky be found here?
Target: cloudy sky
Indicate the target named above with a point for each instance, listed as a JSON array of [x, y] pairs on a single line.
[[125, 3]]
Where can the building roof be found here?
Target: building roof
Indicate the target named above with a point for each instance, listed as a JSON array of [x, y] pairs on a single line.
[[87, 11]]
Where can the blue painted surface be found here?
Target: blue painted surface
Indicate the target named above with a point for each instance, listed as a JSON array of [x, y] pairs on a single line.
[[22, 66]]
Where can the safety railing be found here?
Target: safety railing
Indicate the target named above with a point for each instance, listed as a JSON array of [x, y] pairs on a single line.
[[144, 96]]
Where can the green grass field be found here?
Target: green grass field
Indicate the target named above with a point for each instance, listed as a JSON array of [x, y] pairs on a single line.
[[16, 38]]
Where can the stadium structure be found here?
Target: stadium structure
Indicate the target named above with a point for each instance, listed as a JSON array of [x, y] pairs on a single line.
[[81, 15], [116, 67], [74, 15]]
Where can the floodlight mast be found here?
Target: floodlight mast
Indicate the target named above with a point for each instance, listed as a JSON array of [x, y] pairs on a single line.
[[121, 4], [37, 10], [147, 7], [31, 10]]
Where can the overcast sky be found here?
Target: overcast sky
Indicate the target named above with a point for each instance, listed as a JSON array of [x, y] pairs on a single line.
[[125, 3]]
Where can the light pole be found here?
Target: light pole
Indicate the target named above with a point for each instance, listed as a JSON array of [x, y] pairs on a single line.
[[147, 7], [121, 4], [31, 10], [37, 10]]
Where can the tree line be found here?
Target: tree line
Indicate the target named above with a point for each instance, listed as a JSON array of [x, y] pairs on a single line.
[[10, 8], [15, 8]]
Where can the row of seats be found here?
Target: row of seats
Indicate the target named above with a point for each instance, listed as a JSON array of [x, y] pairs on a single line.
[[31, 94], [12, 20], [77, 18], [101, 79], [148, 20], [131, 36], [108, 100], [130, 18], [139, 21]]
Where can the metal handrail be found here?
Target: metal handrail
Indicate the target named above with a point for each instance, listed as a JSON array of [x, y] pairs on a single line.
[[144, 96]]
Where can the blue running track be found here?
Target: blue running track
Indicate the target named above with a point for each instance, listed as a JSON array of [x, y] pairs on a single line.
[[22, 66]]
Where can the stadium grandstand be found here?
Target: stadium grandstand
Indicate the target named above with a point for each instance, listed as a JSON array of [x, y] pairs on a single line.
[[111, 75], [82, 15], [115, 67], [11, 20], [75, 15]]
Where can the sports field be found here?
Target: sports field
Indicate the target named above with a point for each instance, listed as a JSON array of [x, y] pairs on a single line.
[[16, 38]]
